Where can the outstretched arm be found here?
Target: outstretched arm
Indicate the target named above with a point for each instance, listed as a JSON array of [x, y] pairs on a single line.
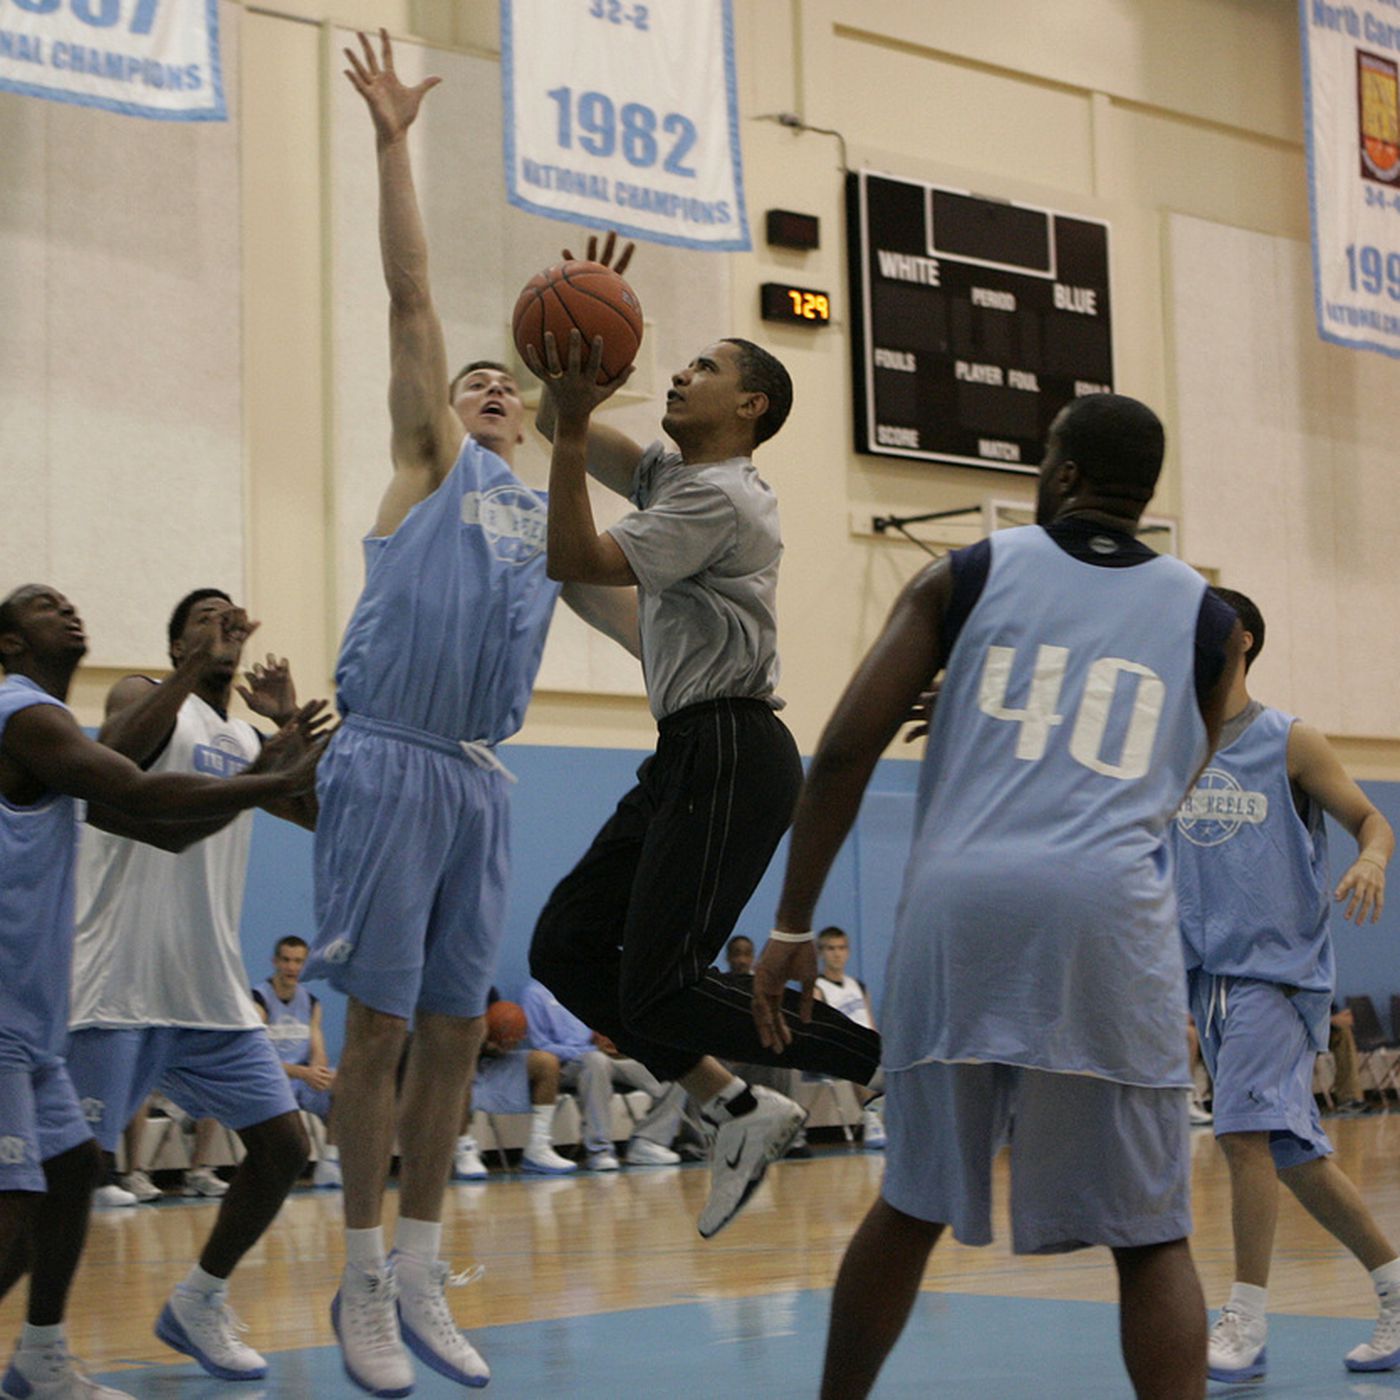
[[1315, 767], [896, 671], [426, 433]]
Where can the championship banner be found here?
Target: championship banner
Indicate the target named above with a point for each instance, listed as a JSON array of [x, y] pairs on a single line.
[[622, 115], [144, 58], [1351, 91]]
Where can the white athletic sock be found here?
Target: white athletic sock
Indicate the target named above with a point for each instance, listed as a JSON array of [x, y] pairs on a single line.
[[542, 1126], [1387, 1279], [32, 1337], [716, 1109], [421, 1240], [365, 1248], [1251, 1300], [200, 1282]]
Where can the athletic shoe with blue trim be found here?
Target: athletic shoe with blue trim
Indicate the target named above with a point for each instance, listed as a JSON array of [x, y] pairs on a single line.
[[52, 1373], [429, 1330], [202, 1325], [1236, 1352], [1382, 1352], [365, 1316]]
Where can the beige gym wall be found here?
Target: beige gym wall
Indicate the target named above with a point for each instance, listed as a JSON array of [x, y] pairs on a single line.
[[1122, 108]]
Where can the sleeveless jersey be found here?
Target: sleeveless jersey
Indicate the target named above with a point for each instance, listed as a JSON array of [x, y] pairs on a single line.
[[1037, 924], [288, 1022], [157, 933], [847, 997], [448, 632], [1252, 876], [37, 845]]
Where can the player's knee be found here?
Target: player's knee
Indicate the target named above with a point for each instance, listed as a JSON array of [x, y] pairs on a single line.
[[280, 1146], [76, 1173]]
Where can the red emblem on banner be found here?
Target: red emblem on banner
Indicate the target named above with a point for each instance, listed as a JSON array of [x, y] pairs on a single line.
[[1378, 117]]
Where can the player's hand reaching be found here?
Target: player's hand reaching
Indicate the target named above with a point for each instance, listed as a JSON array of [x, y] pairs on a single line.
[[1363, 887], [574, 385], [605, 257], [270, 692], [393, 105], [780, 964], [297, 747]]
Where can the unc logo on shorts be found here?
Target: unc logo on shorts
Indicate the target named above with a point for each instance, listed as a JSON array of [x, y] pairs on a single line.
[[93, 1109], [221, 759], [12, 1151], [1217, 807], [512, 518]]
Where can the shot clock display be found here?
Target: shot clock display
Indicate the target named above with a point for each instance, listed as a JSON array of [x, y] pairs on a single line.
[[974, 321], [798, 306]]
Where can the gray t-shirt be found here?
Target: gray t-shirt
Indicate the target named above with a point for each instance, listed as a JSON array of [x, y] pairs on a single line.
[[705, 545]]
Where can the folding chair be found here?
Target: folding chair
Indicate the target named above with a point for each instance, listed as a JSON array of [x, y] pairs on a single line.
[[1377, 1055]]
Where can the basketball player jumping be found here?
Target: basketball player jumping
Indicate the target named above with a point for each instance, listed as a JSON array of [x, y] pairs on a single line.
[[1035, 973]]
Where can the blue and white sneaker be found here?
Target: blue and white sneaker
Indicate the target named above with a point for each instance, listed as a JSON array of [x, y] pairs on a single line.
[[52, 1373], [1382, 1352], [429, 1330], [1236, 1351], [365, 1315], [544, 1160], [202, 1325]]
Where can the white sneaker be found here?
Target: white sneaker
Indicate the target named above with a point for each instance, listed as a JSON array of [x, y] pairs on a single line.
[[604, 1161], [202, 1325], [1382, 1352], [365, 1316], [203, 1181], [872, 1130], [1200, 1115], [141, 1186], [743, 1148], [1236, 1350], [326, 1173], [643, 1152], [544, 1159], [113, 1195], [466, 1163], [429, 1330], [52, 1373]]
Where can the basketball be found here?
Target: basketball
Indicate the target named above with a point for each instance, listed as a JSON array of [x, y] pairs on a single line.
[[586, 296], [505, 1024]]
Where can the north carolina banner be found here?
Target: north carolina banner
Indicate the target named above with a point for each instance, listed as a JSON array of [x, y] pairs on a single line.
[[624, 115], [1351, 88], [146, 58]]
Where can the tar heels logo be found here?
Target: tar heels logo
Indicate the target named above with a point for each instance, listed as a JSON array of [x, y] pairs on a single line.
[[222, 759], [1217, 807], [512, 518]]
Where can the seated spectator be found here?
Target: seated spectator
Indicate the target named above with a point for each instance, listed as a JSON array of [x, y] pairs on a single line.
[[293, 1017], [848, 996], [1341, 1041], [512, 1079], [590, 1065]]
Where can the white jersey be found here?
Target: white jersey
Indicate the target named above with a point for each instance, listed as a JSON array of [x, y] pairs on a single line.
[[157, 933], [847, 997]]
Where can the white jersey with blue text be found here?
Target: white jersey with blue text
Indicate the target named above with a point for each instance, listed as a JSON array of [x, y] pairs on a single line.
[[37, 845], [289, 1022], [447, 635], [157, 932], [1252, 875], [846, 996], [1037, 924]]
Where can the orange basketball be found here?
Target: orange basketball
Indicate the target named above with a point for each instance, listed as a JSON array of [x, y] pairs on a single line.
[[586, 296], [505, 1024]]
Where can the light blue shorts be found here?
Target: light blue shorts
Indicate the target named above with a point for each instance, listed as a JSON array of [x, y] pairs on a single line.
[[1092, 1162], [1260, 1056], [502, 1083], [232, 1076], [317, 1101], [40, 1118], [412, 859]]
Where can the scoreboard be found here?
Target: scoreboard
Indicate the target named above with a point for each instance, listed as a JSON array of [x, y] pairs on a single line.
[[974, 321]]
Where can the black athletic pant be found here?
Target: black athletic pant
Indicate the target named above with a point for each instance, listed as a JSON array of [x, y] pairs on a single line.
[[627, 939]]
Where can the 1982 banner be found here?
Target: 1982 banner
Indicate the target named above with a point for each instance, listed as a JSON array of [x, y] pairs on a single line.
[[624, 115], [146, 58], [1351, 85]]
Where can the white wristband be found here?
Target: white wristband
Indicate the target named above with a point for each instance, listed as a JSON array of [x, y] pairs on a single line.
[[778, 937]]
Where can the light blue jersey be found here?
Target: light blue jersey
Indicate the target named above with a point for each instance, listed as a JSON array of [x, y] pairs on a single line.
[[288, 1022], [1037, 925], [37, 849], [1252, 875], [446, 637]]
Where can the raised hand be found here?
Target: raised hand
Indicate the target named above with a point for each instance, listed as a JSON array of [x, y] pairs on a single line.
[[393, 105], [574, 386], [606, 256], [297, 747], [219, 638], [270, 691]]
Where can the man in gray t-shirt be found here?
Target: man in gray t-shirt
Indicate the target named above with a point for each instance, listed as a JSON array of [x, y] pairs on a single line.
[[627, 939]]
